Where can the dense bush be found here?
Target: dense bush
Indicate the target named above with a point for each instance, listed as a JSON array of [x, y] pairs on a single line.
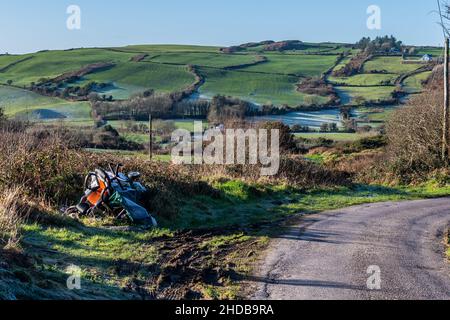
[[384, 44], [103, 137], [46, 167], [223, 109], [287, 139], [414, 136]]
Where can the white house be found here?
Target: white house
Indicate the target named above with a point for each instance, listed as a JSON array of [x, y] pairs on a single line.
[[427, 58]]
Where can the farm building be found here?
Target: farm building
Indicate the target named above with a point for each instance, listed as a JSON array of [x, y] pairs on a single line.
[[427, 58]]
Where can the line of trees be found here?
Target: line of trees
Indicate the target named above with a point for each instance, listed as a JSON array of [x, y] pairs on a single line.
[[384, 44], [139, 107]]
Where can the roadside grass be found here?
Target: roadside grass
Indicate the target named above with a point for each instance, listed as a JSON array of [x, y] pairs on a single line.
[[243, 204], [291, 64], [320, 200], [258, 88], [117, 264], [99, 253]]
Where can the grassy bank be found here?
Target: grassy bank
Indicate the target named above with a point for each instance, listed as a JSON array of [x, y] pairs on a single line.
[[202, 253]]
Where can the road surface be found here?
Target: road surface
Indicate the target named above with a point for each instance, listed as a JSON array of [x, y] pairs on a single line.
[[327, 256]]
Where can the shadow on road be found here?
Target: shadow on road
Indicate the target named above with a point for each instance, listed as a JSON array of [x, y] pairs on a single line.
[[305, 283]]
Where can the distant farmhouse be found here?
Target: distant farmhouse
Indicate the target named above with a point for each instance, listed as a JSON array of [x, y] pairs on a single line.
[[427, 58]]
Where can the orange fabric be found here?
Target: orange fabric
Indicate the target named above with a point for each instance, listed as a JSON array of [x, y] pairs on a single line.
[[96, 196]]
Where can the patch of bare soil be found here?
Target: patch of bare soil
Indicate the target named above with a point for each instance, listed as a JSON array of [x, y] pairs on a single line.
[[187, 265]]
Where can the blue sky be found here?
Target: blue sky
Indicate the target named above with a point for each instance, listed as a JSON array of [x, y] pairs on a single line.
[[28, 26]]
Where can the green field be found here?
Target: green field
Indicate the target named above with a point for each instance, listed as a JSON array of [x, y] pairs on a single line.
[[165, 69], [18, 102], [168, 48], [390, 65], [413, 84], [339, 137], [131, 77], [368, 93], [292, 64], [259, 88], [435, 52], [308, 48], [216, 60], [377, 80], [51, 64], [342, 64], [364, 80], [6, 60], [179, 124]]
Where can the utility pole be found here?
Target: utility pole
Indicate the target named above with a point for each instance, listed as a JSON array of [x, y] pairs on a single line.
[[150, 126], [445, 136]]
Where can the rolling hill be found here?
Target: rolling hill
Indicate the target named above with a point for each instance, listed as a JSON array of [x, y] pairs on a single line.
[[261, 73]]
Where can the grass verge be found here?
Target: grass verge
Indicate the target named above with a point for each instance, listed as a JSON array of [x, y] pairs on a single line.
[[201, 254]]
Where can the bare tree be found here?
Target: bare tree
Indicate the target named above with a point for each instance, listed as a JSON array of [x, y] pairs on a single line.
[[414, 133], [444, 14]]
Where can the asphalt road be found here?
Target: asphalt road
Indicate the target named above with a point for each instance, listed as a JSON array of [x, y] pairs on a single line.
[[327, 256]]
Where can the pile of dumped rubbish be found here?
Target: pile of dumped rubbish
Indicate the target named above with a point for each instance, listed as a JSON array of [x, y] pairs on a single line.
[[114, 193]]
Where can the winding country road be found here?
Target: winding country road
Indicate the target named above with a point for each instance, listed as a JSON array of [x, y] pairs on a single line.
[[327, 255]]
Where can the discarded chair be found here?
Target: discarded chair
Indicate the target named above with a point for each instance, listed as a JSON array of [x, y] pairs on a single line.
[[114, 193]]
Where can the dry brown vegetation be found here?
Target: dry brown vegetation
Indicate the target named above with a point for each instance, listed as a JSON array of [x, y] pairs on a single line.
[[12, 215], [413, 152], [414, 136], [45, 166]]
